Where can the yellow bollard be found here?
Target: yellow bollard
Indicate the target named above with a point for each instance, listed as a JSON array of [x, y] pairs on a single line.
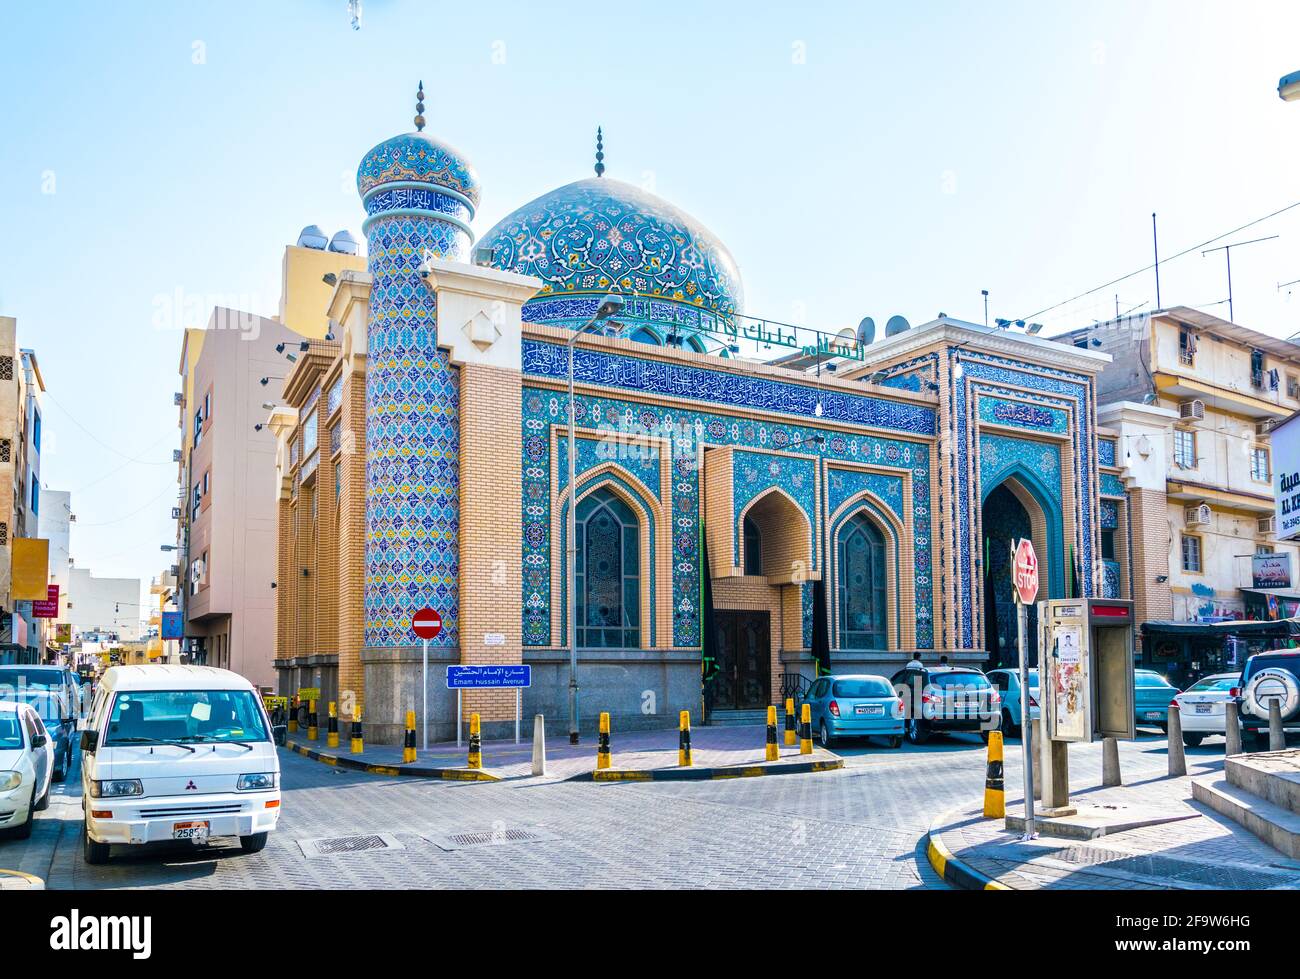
[[995, 796], [684, 739], [332, 727], [805, 730], [602, 745], [475, 742], [408, 746], [358, 740], [293, 716], [773, 752], [313, 732], [790, 738]]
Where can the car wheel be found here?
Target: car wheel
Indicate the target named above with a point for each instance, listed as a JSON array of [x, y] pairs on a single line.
[[896, 741], [917, 732], [825, 736], [253, 844], [44, 802], [91, 851], [60, 772], [1009, 727], [1193, 740]]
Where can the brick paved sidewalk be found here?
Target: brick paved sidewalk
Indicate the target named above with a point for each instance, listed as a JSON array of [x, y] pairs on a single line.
[[1205, 851], [711, 747]]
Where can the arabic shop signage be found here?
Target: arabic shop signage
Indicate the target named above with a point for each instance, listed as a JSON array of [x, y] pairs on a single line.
[[1285, 443], [1271, 570], [480, 677]]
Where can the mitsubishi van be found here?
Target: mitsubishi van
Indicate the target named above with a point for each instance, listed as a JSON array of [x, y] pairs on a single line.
[[177, 753]]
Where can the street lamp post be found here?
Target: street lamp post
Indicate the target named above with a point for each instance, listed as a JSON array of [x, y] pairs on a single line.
[[610, 305]]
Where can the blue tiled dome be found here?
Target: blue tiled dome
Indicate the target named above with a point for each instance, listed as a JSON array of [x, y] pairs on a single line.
[[600, 235], [418, 158]]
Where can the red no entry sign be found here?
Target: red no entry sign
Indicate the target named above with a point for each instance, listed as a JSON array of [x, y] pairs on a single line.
[[1024, 571], [426, 623]]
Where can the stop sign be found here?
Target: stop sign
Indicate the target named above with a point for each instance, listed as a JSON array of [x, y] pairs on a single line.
[[426, 623], [1024, 571]]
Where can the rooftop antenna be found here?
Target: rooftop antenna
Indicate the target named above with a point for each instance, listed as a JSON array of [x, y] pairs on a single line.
[[985, 294], [600, 152], [354, 11], [1155, 243], [419, 108], [1227, 251]]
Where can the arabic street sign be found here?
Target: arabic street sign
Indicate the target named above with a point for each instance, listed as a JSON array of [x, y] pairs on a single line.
[[506, 675]]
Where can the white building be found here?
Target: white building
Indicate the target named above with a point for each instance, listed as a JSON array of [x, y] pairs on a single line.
[[104, 605], [55, 525]]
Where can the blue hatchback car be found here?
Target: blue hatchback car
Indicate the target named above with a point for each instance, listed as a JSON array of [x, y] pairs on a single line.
[[1152, 695], [856, 706]]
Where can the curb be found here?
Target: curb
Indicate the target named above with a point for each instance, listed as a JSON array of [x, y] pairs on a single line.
[[704, 774], [950, 868], [16, 880], [410, 771]]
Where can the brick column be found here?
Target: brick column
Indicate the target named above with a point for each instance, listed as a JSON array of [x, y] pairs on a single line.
[[1149, 516], [352, 536]]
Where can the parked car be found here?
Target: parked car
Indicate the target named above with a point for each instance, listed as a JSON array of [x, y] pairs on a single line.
[[1200, 706], [857, 705], [940, 699], [1267, 677], [50, 690], [177, 753], [26, 767], [1152, 695], [1008, 684]]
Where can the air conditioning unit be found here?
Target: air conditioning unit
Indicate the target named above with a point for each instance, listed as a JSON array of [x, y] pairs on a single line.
[[1267, 525], [1264, 427], [1197, 516], [1191, 411]]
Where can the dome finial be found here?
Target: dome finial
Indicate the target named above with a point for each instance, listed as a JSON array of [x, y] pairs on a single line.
[[600, 152], [419, 108]]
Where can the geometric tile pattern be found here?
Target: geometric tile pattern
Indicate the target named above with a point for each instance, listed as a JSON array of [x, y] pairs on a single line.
[[418, 158], [1105, 452], [1111, 485]]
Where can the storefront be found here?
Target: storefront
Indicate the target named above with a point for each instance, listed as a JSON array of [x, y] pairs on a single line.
[[1186, 651]]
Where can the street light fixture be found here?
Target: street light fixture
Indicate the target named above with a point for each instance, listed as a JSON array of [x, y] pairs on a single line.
[[1288, 88], [611, 304]]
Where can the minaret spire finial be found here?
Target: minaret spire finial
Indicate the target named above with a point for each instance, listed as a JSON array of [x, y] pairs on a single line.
[[600, 152], [419, 109]]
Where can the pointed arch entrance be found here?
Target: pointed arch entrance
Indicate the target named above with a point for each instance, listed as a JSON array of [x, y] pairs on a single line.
[[1012, 509]]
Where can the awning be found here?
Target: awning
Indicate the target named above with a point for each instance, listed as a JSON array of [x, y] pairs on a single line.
[[1275, 592], [1278, 628]]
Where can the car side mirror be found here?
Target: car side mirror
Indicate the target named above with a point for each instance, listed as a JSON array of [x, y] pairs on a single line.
[[88, 741], [39, 741]]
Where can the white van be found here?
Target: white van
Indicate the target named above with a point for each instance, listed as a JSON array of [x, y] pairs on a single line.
[[177, 753]]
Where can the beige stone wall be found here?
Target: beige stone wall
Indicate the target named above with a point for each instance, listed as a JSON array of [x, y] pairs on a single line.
[[1149, 514]]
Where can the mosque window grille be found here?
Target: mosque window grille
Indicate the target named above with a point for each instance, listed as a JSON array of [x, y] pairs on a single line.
[[4, 534], [6, 450], [862, 585], [608, 573], [6, 368], [334, 400]]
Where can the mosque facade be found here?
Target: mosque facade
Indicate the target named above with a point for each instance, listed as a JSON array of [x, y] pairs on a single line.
[[734, 476]]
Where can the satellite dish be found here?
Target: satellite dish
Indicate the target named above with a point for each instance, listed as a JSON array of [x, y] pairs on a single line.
[[896, 325], [866, 331]]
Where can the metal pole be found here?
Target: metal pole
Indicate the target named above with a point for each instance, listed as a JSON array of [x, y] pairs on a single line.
[[1026, 729], [459, 713], [519, 697], [1227, 253], [424, 687], [571, 575], [1155, 242]]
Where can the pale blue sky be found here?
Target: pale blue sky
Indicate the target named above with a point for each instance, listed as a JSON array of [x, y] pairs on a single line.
[[858, 159]]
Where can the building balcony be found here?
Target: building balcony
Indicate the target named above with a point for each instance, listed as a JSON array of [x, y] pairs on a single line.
[[1251, 399]]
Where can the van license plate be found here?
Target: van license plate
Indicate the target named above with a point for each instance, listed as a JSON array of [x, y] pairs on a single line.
[[197, 832]]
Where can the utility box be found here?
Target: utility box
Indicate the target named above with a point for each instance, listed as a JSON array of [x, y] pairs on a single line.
[[1086, 669]]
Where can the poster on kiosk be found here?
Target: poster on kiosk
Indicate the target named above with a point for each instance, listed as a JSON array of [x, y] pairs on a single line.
[[1087, 668]]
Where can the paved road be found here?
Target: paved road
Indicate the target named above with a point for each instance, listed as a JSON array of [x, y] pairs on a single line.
[[857, 828]]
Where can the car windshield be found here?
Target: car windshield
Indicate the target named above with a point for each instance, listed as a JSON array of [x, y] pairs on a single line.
[[20, 682], [1213, 684], [867, 687], [11, 731], [196, 716], [1149, 680]]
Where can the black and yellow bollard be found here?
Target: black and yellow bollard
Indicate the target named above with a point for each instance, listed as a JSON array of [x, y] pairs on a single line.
[[358, 739], [602, 743], [332, 727], [995, 796], [313, 731], [408, 745], [805, 730], [293, 716], [790, 737], [773, 752], [684, 739], [475, 742]]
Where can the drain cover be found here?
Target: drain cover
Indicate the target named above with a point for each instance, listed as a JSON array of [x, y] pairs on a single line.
[[490, 837], [335, 845]]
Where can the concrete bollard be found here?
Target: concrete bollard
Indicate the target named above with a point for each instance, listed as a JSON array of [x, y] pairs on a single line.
[[805, 730], [475, 742], [995, 795], [602, 743], [773, 752], [684, 739], [1110, 773], [313, 730], [1276, 736], [408, 743], [539, 745], [332, 727], [1177, 757], [790, 736], [358, 739], [1035, 740], [1231, 728]]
